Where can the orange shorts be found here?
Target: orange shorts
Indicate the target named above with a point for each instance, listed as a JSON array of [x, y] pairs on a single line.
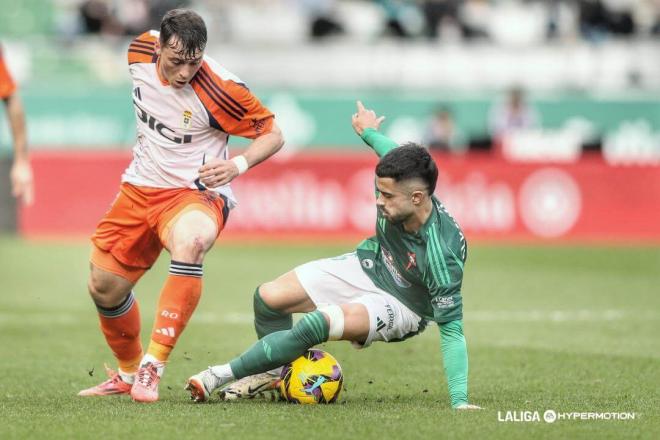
[[131, 235]]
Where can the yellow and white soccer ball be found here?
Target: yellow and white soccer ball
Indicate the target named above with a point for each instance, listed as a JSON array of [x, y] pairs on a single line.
[[314, 377]]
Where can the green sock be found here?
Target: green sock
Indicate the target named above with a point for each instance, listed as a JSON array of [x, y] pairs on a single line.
[[279, 348], [267, 320]]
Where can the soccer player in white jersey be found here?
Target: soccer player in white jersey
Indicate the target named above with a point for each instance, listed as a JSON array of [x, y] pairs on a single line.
[[174, 195]]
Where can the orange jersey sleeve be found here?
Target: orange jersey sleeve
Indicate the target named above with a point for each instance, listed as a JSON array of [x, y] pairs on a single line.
[[142, 49], [7, 85], [232, 107]]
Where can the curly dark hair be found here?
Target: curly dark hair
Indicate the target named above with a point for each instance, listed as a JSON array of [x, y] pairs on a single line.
[[188, 27], [409, 161]]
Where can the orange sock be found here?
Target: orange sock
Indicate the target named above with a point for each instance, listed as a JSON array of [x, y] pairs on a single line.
[[121, 327], [177, 302]]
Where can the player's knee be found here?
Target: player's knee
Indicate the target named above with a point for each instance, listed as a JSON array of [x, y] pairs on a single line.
[[104, 290], [191, 248], [271, 293]]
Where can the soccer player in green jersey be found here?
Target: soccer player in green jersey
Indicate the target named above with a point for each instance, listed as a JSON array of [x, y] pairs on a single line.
[[410, 273]]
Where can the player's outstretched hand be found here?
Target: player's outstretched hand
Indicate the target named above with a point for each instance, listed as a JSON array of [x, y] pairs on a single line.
[[365, 118], [22, 184], [467, 406], [217, 172]]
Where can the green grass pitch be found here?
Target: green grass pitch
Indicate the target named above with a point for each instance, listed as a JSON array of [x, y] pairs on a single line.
[[573, 329]]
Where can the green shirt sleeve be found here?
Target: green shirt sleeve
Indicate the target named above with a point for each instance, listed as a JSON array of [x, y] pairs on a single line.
[[455, 360], [380, 143], [443, 278]]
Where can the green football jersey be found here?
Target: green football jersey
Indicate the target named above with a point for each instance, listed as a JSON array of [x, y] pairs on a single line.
[[423, 270]]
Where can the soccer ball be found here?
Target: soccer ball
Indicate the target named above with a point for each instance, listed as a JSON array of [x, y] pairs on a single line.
[[314, 377]]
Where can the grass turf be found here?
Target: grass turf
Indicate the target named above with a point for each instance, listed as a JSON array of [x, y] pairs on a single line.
[[573, 329]]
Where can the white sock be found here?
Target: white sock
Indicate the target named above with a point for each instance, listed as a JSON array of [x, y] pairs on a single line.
[[129, 378], [160, 366], [223, 372]]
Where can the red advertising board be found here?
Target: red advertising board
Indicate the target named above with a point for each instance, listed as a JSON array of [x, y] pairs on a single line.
[[330, 194]]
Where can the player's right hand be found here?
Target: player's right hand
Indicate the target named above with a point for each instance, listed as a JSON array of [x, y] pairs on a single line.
[[467, 407], [217, 172], [22, 184], [365, 118]]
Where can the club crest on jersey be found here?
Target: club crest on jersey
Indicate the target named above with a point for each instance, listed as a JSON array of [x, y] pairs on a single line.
[[187, 120], [412, 260]]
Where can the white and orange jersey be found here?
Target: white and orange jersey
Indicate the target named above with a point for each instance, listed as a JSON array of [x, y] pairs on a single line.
[[178, 130], [7, 84]]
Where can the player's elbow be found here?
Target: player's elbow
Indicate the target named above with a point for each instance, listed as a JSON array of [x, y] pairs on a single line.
[[278, 138]]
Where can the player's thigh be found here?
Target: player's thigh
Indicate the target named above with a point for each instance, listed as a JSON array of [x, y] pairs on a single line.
[[107, 288], [191, 235], [356, 322], [286, 294]]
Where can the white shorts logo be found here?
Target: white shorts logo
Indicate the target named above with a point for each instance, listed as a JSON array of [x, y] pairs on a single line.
[[368, 263], [550, 202]]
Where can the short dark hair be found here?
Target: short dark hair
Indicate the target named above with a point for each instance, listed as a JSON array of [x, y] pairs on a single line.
[[409, 161], [187, 26]]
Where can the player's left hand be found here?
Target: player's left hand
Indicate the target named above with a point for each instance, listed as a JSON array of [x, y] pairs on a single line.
[[467, 406], [217, 172], [365, 118], [22, 185]]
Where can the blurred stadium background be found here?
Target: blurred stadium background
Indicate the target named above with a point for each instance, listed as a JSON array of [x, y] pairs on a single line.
[[545, 119], [575, 157]]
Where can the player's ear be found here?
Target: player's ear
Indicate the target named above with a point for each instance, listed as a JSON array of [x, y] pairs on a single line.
[[417, 197], [157, 46]]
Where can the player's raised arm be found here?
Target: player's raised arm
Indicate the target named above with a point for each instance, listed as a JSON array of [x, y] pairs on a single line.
[[366, 124]]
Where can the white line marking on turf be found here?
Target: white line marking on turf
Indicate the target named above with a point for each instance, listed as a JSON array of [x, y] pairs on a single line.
[[558, 315], [543, 316]]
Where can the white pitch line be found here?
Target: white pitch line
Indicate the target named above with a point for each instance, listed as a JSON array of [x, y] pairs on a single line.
[[244, 319]]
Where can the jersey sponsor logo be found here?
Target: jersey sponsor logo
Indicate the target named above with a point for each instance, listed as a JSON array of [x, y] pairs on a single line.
[[159, 127], [390, 316], [443, 302], [388, 260], [187, 120]]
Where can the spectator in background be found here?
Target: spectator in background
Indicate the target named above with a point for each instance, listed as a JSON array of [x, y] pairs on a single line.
[[124, 17], [400, 17], [97, 18], [439, 14], [474, 17], [21, 172], [511, 115], [600, 18], [442, 134], [322, 20]]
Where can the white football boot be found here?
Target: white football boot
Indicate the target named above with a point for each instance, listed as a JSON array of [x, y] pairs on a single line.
[[262, 386], [202, 384]]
